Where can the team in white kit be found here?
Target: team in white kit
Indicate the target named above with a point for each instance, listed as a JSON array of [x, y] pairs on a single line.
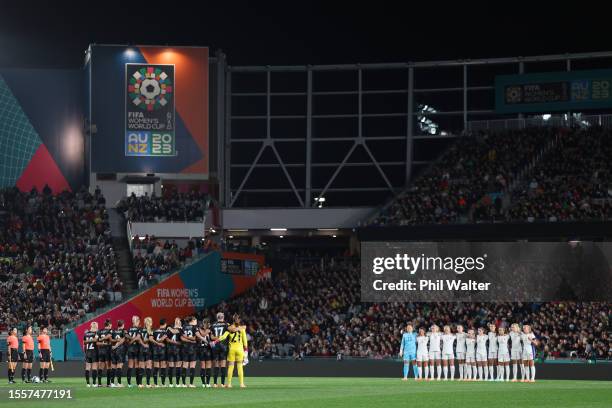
[[480, 356]]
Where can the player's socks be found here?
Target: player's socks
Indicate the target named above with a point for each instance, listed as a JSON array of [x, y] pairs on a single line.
[[203, 375], [118, 375], [148, 372], [170, 374], [461, 371], [223, 374], [533, 372], [128, 374], [87, 376], [240, 369], [215, 373], [40, 373], [486, 372], [445, 372], [162, 375], [100, 377], [29, 374], [514, 370], [474, 372], [109, 376], [439, 371], [452, 372], [112, 375], [23, 371], [178, 374], [46, 373], [508, 373], [415, 370], [426, 372], [208, 376], [139, 376], [522, 371], [191, 374], [230, 374], [405, 370], [94, 376], [155, 374], [480, 372], [184, 375]]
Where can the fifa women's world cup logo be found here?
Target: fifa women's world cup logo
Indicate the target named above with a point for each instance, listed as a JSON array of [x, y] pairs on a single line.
[[150, 88], [149, 110]]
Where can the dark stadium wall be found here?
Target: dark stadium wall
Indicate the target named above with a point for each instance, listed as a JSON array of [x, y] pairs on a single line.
[[41, 128], [109, 99]]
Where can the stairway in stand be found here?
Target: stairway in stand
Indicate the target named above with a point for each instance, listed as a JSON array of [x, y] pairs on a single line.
[[124, 256]]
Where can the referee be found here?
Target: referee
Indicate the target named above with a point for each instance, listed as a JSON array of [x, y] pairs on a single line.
[[44, 353], [28, 355], [13, 354]]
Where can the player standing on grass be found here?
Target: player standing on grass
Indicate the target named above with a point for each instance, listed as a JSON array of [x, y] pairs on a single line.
[[204, 353], [434, 352], [422, 355], [470, 356], [133, 340], [460, 350], [408, 352], [529, 344], [492, 353], [146, 351], [503, 355], [12, 343], [481, 353], [28, 355], [515, 350], [90, 339], [104, 359], [44, 354], [219, 349], [448, 355], [173, 351], [238, 353], [188, 339], [117, 353], [159, 352]]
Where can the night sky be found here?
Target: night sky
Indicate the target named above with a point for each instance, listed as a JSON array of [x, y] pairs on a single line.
[[289, 32]]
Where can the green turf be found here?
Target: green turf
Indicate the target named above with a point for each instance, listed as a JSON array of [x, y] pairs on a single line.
[[334, 392]]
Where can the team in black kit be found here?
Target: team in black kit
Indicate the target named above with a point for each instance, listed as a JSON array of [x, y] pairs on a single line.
[[165, 356]]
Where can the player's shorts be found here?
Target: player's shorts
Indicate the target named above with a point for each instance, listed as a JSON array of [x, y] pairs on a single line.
[[422, 357], [204, 354], [492, 355], [434, 355], [219, 352], [28, 356], [14, 354], [188, 354], [159, 354], [469, 358], [527, 355], [104, 354], [461, 355], [481, 357], [145, 354], [91, 356], [515, 354], [133, 353], [118, 355], [235, 354], [45, 356], [173, 353], [503, 357], [448, 356]]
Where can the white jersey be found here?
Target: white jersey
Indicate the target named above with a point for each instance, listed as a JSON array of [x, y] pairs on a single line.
[[434, 342], [422, 345], [481, 344], [526, 340], [469, 347], [460, 342], [492, 342], [447, 343], [502, 342], [515, 341]]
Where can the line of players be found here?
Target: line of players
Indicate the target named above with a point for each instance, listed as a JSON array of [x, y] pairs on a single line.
[[167, 352], [478, 355]]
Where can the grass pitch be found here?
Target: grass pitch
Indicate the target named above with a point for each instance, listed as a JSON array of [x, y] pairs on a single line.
[[330, 393]]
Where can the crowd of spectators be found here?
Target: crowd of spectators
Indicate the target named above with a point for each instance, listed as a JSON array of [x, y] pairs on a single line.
[[56, 258], [571, 182], [171, 206], [314, 309]]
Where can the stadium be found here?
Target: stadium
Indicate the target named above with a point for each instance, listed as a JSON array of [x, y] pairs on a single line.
[[295, 205]]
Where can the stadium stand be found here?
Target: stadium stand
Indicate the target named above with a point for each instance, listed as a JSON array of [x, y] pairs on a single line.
[[57, 260], [171, 206]]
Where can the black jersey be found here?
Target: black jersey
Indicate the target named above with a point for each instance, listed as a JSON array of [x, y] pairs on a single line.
[[132, 334], [145, 336], [189, 331], [103, 333], [158, 334], [205, 341], [88, 336], [174, 335], [218, 328], [118, 335]]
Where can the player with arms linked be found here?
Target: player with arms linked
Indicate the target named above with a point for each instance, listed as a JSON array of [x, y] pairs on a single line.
[[238, 353]]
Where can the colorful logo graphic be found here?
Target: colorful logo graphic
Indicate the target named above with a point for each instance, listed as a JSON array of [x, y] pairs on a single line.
[[150, 88]]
